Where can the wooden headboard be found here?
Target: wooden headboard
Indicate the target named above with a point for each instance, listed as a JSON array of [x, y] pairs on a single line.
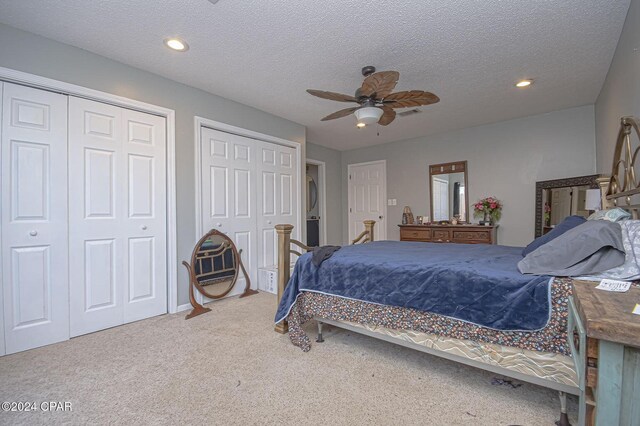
[[622, 189]]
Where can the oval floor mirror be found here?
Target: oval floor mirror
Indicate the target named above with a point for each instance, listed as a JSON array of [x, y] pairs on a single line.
[[214, 270]]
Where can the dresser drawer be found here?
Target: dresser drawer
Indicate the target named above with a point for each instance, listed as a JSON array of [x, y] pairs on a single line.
[[460, 234], [463, 236], [412, 234], [441, 236]]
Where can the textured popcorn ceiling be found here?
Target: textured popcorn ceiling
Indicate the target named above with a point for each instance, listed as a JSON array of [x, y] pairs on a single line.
[[266, 53]]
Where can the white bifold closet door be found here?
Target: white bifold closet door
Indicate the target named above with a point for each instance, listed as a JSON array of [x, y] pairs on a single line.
[[228, 164], [277, 197], [34, 217], [248, 186], [117, 215]]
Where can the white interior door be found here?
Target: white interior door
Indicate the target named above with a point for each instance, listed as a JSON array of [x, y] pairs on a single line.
[[117, 215], [34, 218], [560, 204], [367, 198], [277, 197], [228, 168], [440, 189]]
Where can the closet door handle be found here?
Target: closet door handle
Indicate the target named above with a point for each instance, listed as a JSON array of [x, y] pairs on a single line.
[[143, 227], [33, 233], [268, 222]]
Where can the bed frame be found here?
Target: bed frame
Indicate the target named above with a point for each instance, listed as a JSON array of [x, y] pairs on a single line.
[[619, 190]]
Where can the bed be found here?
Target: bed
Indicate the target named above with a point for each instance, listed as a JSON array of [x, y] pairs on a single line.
[[525, 337]]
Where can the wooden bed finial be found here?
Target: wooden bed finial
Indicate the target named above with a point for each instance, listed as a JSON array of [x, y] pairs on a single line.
[[368, 227]]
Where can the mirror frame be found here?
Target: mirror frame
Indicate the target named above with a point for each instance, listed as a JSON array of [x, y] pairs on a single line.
[[228, 246], [444, 169], [590, 180]]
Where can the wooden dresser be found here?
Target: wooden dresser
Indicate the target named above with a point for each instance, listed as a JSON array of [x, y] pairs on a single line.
[[604, 336], [465, 234]]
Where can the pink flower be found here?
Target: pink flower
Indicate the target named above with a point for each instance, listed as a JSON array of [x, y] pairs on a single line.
[[494, 205]]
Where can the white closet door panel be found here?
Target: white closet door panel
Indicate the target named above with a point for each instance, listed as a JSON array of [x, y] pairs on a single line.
[[2, 345], [118, 215], [34, 218], [277, 198], [96, 186], [145, 216], [228, 167]]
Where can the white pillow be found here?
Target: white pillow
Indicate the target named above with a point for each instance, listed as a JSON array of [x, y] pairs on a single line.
[[630, 269], [612, 215]]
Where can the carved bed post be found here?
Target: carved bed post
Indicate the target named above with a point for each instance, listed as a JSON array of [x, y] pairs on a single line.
[[603, 184], [284, 266], [368, 227]]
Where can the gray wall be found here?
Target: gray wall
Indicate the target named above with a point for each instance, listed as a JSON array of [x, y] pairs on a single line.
[[334, 189], [28, 52], [620, 93], [505, 159]]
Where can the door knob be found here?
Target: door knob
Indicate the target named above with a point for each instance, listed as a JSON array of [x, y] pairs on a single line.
[[143, 227], [269, 222], [218, 224], [33, 233]]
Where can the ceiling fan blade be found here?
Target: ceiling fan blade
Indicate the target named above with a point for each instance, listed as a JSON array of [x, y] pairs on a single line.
[[387, 117], [340, 114], [332, 96], [410, 98], [380, 83]]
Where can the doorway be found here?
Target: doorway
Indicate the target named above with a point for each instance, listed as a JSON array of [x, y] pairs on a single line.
[[316, 206]]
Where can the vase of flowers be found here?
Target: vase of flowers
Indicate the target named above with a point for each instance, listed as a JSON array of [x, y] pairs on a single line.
[[489, 208]]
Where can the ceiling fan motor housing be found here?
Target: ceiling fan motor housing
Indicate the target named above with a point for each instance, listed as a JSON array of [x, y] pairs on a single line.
[[368, 70]]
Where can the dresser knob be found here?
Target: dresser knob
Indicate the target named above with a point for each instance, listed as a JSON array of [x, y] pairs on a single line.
[[33, 233], [143, 227]]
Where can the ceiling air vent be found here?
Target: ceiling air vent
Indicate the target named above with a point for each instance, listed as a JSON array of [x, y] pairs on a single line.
[[410, 112]]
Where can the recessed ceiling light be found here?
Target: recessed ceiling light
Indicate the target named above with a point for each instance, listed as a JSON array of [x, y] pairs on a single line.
[[176, 44], [361, 125], [524, 83]]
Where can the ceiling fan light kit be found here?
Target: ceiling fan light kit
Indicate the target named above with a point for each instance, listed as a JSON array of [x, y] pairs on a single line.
[[376, 102], [368, 115]]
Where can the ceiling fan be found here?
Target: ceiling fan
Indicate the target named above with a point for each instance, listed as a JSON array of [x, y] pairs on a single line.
[[375, 101]]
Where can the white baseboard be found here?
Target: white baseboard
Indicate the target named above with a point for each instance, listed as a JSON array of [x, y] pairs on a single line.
[[184, 307]]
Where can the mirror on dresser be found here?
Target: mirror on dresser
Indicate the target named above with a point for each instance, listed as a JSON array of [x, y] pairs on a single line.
[[449, 191], [556, 199]]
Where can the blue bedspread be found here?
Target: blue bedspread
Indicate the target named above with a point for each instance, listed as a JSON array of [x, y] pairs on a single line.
[[476, 283]]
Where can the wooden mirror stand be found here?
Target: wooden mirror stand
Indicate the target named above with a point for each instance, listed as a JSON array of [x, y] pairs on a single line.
[[214, 269]]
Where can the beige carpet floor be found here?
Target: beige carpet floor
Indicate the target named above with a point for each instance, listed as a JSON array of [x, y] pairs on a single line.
[[229, 367]]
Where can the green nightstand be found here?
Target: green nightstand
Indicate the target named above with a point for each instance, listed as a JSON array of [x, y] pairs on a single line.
[[605, 341]]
